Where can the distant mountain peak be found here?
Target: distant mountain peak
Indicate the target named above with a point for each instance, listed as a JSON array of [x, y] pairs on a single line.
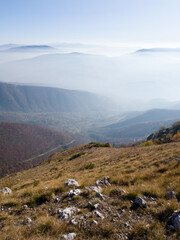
[[31, 48], [158, 50]]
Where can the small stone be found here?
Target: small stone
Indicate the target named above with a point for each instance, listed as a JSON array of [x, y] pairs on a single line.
[[74, 221], [71, 182], [104, 182], [170, 195], [96, 206], [27, 221], [140, 202], [95, 189], [95, 222], [103, 197], [56, 200], [174, 220], [6, 190], [69, 236], [98, 214], [73, 193], [67, 212], [24, 207]]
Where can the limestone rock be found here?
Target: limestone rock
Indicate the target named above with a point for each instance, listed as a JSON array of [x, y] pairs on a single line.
[[73, 193], [67, 212], [95, 222], [98, 214], [170, 195], [6, 190], [99, 195], [104, 182], [139, 202], [74, 221], [174, 220], [71, 182], [56, 200], [91, 206], [69, 236], [95, 189], [27, 221]]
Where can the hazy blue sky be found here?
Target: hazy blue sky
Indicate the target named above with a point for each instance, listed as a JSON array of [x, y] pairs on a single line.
[[102, 21]]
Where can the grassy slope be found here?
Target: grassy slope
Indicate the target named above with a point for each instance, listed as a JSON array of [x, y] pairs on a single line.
[[19, 142], [144, 171]]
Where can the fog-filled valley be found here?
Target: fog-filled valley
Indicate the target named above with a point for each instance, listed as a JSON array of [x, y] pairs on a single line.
[[125, 78]]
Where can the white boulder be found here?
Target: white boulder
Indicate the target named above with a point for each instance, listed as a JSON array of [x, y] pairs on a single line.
[[6, 190], [67, 212], [69, 236], [71, 182], [74, 192]]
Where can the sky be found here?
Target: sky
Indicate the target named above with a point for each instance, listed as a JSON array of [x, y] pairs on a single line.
[[91, 21]]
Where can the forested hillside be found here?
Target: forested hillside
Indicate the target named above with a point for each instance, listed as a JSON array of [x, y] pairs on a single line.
[[19, 142]]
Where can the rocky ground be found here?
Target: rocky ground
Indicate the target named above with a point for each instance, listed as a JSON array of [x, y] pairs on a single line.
[[70, 197]]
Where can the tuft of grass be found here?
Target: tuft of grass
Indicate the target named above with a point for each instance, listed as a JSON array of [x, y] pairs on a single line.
[[27, 193], [115, 193], [59, 175], [36, 183], [151, 193], [97, 145], [105, 230], [88, 166], [166, 212], [59, 190], [39, 199], [146, 144], [50, 227], [53, 169], [45, 227], [11, 203], [146, 231], [131, 195], [76, 155]]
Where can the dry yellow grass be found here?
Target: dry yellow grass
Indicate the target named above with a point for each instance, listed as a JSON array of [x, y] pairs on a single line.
[[144, 171]]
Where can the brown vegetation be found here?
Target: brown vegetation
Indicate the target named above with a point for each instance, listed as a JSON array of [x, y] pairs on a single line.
[[20, 142], [146, 171]]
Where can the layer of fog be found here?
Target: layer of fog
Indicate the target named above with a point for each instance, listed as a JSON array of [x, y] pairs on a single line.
[[135, 80]]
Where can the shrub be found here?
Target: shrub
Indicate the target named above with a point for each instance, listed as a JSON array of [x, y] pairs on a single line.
[[88, 166], [147, 143], [150, 231], [77, 155], [11, 203], [131, 196], [27, 193], [59, 190], [36, 182], [151, 193], [97, 144], [45, 227], [115, 193], [39, 199]]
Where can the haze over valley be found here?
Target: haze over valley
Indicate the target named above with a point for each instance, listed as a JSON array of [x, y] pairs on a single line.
[[124, 79]]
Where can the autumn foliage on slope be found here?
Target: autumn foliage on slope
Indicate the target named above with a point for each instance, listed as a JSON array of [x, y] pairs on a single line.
[[19, 142], [165, 135]]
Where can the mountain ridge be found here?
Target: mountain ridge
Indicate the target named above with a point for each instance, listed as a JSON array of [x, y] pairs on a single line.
[[19, 98]]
